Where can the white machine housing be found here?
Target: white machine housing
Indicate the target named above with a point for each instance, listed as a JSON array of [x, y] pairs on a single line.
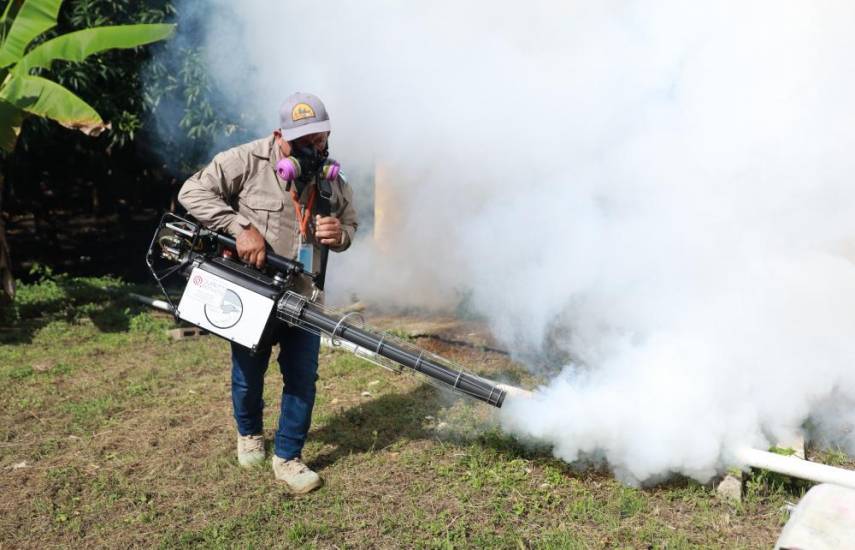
[[214, 301]]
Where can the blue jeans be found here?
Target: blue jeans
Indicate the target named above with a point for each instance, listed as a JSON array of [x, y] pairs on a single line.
[[298, 363]]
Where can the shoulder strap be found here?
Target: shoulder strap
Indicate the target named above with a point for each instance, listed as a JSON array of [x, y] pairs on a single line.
[[324, 208]]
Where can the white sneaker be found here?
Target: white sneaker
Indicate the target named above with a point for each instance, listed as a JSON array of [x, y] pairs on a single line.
[[296, 475], [250, 450]]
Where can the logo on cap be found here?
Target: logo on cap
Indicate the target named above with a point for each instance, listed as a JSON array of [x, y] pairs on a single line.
[[301, 111]]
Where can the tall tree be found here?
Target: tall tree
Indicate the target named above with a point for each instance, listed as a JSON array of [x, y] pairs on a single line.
[[24, 92]]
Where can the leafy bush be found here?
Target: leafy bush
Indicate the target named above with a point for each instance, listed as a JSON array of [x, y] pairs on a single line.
[[59, 296], [55, 300]]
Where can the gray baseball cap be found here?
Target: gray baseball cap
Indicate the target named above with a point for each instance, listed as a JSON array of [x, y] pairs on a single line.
[[302, 114]]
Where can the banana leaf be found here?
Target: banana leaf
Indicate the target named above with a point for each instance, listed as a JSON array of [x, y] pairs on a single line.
[[34, 18], [39, 96], [11, 118], [77, 46]]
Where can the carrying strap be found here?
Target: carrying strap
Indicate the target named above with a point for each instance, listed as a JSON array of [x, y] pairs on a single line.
[[320, 194], [304, 216], [324, 209]]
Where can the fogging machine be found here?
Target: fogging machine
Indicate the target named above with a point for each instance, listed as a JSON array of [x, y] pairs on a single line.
[[243, 304]]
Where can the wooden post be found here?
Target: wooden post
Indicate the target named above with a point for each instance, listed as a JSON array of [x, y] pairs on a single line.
[[386, 213]]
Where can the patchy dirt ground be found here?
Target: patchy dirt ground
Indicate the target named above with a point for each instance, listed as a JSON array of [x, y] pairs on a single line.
[[119, 437]]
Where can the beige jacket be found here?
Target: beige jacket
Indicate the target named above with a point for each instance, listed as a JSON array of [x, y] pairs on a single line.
[[240, 187]]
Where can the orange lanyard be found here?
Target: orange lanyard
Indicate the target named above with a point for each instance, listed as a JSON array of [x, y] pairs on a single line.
[[304, 217]]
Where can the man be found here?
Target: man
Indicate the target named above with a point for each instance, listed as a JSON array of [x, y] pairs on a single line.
[[241, 193]]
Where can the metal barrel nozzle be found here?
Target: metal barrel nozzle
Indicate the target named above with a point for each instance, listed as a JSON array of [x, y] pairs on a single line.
[[295, 308]]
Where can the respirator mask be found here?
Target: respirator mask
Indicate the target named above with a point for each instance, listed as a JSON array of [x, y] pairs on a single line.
[[305, 163]]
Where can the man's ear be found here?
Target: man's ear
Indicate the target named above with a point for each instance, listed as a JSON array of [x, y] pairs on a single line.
[[284, 146]]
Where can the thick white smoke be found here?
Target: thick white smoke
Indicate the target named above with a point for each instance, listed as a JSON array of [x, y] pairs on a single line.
[[662, 189]]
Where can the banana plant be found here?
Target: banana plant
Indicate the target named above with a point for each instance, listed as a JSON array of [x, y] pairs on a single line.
[[24, 92]]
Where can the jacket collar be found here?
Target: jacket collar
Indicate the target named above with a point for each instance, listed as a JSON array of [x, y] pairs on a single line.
[[267, 150]]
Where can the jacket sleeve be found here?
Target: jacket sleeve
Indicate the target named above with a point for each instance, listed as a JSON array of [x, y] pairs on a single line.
[[208, 194], [346, 214]]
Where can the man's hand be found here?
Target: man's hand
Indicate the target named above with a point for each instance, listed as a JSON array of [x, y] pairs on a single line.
[[328, 230], [251, 247]]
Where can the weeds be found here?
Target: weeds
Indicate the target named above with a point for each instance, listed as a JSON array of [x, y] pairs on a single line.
[[46, 308], [59, 296]]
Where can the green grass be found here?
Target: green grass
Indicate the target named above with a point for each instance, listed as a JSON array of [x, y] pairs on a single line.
[[128, 440]]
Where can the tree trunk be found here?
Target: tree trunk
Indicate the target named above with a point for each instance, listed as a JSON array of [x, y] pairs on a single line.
[[7, 281]]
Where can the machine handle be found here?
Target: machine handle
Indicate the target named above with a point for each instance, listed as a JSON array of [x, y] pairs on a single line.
[[281, 263]]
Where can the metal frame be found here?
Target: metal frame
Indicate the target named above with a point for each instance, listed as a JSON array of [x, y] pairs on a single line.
[[337, 343], [159, 277]]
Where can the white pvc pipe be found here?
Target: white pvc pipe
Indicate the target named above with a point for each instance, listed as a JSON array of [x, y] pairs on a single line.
[[796, 467]]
